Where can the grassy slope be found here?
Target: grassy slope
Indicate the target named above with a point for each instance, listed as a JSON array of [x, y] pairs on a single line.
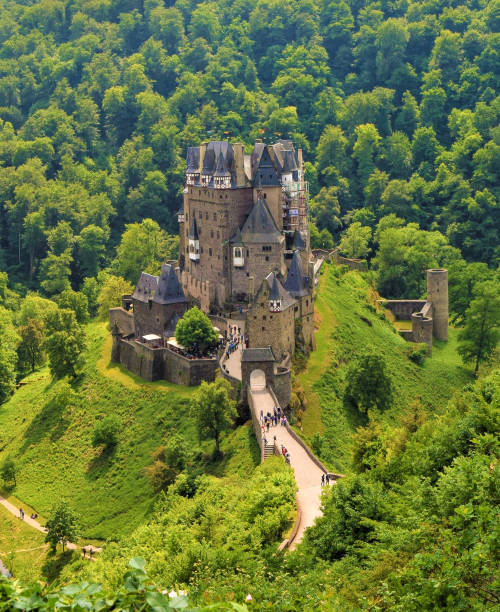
[[16, 541], [348, 326], [54, 454]]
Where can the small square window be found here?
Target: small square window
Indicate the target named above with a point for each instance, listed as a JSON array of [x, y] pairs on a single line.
[[267, 257]]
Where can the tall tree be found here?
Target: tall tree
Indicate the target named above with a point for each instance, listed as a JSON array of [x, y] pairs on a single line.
[[481, 333], [65, 343], [31, 346], [213, 410], [62, 526]]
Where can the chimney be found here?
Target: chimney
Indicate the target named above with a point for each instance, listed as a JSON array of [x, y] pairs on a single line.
[[239, 164], [203, 148]]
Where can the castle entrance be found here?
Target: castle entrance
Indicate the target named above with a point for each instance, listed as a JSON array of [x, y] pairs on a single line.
[[257, 380]]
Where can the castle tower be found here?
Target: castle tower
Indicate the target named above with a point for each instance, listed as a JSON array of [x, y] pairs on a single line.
[[437, 293]]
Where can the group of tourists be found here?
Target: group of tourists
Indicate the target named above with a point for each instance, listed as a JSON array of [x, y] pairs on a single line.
[[271, 420], [236, 337], [285, 453], [21, 515], [325, 479]]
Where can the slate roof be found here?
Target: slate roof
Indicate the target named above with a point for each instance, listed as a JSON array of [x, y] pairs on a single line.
[[214, 150], [169, 289], [146, 287], [260, 226], [298, 241], [279, 291], [193, 230], [193, 160], [236, 239], [295, 282], [221, 169], [258, 354]]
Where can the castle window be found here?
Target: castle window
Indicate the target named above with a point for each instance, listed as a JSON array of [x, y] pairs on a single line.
[[307, 302], [211, 233], [248, 253], [218, 235], [215, 216], [210, 252], [264, 318], [263, 329], [206, 216], [238, 260], [267, 248], [296, 308], [267, 257]]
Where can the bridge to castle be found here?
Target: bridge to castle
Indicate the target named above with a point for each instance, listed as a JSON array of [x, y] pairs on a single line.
[[307, 468]]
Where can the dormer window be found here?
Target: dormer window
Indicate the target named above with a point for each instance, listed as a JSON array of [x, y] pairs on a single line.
[[222, 182], [238, 259], [191, 179], [205, 180]]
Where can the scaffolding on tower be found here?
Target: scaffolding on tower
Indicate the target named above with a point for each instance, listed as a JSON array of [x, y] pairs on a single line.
[[295, 205]]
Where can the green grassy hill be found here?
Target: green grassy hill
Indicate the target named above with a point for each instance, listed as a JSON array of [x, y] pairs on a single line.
[[50, 441], [350, 322]]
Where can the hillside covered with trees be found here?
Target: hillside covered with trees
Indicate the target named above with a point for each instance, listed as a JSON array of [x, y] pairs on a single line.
[[396, 107]]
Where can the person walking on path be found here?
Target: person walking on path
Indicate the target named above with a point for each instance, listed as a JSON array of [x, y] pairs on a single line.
[[21, 513], [322, 480], [328, 479]]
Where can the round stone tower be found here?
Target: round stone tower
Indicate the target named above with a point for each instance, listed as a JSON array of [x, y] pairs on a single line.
[[437, 293]]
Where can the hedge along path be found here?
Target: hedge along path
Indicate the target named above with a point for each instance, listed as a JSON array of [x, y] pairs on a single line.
[[36, 525]]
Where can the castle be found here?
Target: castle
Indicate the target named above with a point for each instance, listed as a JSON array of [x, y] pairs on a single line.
[[244, 253]]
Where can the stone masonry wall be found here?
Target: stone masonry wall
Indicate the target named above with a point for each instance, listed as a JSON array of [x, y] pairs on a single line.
[[258, 264], [123, 318], [403, 309], [188, 372]]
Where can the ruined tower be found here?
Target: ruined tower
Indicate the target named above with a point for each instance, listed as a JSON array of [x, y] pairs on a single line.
[[437, 294]]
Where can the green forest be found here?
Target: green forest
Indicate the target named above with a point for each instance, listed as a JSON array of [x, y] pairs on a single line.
[[395, 105]]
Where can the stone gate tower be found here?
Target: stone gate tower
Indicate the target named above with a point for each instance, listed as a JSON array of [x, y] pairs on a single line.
[[437, 294]]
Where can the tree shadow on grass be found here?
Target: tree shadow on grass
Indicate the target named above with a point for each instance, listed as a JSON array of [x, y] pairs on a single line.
[[101, 463], [55, 563], [49, 421]]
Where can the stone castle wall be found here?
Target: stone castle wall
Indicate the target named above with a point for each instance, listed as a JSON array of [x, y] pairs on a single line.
[[403, 309], [162, 363]]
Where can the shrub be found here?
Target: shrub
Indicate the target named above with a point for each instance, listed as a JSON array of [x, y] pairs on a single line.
[[417, 353], [106, 432]]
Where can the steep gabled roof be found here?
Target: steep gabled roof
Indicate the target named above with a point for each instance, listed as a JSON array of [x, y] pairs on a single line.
[[193, 230], [221, 169], [146, 287], [260, 225], [169, 289], [295, 282], [193, 160]]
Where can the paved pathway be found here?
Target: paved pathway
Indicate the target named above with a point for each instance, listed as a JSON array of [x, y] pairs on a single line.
[[36, 525], [307, 473], [233, 364]]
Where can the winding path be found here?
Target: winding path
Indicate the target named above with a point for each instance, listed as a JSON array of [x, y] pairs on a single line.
[[36, 525], [307, 472]]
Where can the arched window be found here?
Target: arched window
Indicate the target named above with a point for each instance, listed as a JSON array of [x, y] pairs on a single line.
[[237, 252]]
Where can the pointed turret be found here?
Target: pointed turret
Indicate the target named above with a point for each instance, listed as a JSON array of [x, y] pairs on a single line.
[[295, 283], [274, 296]]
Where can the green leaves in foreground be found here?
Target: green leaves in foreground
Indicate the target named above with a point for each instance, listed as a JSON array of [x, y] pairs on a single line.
[[135, 594]]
